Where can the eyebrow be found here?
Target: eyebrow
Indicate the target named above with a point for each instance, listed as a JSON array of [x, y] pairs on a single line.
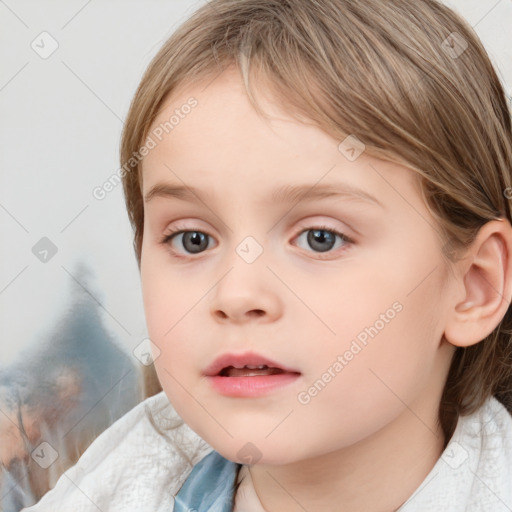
[[284, 194]]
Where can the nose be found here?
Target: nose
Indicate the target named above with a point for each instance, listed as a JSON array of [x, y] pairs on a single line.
[[247, 292]]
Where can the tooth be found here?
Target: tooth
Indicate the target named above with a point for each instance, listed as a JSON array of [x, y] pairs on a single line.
[[252, 367]]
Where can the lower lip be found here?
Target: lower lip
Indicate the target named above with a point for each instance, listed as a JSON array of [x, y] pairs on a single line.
[[251, 386]]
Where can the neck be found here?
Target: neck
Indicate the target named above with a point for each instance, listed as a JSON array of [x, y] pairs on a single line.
[[378, 473]]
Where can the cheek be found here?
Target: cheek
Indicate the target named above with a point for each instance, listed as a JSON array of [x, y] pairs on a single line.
[[170, 328], [379, 382], [165, 294], [165, 306], [167, 322], [175, 309], [388, 329]]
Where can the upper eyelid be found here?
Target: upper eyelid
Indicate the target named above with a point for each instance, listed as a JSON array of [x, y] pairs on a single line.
[[304, 225], [176, 231]]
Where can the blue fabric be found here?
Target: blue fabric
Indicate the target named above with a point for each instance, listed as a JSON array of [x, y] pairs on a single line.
[[209, 487]]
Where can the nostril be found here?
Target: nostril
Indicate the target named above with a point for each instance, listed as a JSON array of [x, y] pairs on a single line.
[[256, 313]]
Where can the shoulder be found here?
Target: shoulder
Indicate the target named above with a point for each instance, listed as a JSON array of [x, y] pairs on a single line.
[[138, 463], [474, 471], [488, 436]]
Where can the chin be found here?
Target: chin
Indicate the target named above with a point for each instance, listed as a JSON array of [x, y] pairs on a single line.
[[254, 452]]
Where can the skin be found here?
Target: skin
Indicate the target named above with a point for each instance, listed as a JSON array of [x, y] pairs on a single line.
[[369, 438]]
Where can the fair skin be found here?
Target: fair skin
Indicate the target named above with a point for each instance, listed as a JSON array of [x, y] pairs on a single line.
[[369, 438]]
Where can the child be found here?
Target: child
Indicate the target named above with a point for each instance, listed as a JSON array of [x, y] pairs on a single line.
[[373, 374]]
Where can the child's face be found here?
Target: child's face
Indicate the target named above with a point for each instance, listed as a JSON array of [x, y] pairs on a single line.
[[360, 322]]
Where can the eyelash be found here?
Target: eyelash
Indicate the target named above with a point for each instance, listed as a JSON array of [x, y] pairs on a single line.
[[172, 233]]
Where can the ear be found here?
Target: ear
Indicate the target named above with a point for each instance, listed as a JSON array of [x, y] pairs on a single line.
[[483, 284]]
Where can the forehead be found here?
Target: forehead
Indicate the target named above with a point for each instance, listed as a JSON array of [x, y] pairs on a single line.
[[223, 112], [223, 140], [222, 84]]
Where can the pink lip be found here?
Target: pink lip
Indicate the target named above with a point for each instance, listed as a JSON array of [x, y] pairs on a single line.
[[248, 386]]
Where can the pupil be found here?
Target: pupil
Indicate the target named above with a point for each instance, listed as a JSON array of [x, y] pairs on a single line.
[[198, 241], [317, 237]]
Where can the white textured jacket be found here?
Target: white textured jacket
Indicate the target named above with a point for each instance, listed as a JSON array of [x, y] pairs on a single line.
[[133, 467]]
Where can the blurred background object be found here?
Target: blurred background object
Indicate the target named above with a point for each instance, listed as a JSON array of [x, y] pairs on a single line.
[[57, 396], [71, 313]]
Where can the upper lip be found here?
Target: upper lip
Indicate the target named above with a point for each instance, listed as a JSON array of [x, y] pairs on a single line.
[[241, 360]]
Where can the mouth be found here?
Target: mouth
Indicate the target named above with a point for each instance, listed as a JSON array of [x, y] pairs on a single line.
[[250, 371], [248, 375], [245, 365]]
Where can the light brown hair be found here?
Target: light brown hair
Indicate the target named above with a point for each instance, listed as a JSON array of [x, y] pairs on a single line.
[[408, 78]]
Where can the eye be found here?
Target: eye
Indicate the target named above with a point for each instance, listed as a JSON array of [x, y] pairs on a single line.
[[323, 239], [320, 239], [192, 242]]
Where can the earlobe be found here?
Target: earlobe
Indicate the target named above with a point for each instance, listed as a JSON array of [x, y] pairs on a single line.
[[485, 285]]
